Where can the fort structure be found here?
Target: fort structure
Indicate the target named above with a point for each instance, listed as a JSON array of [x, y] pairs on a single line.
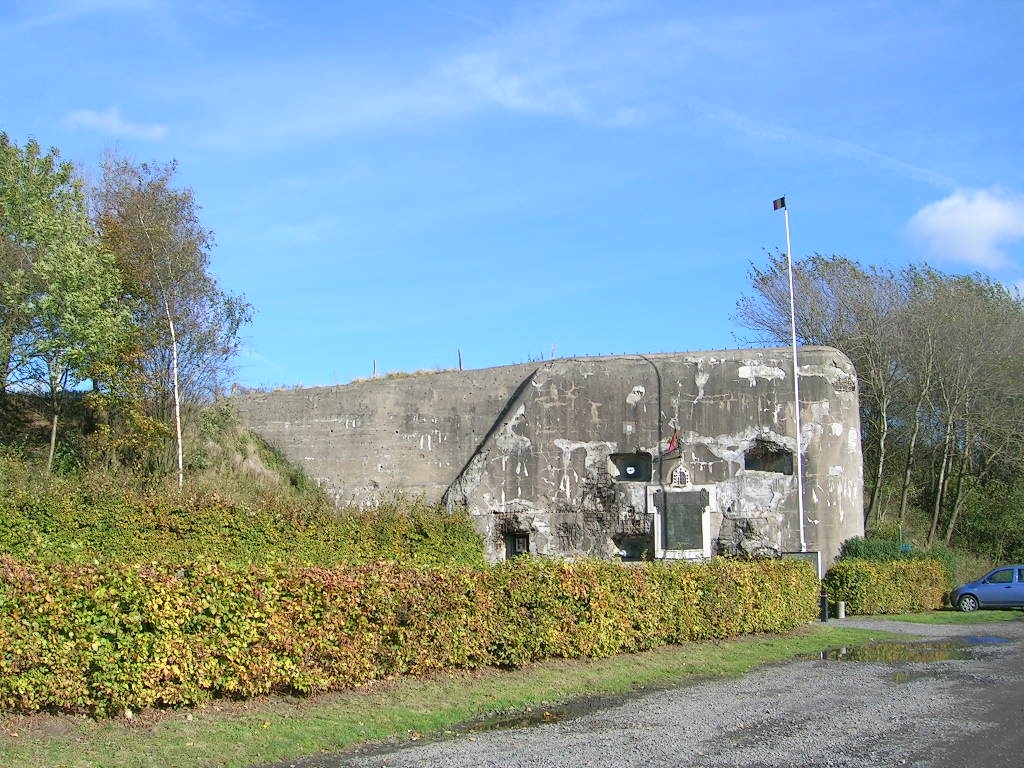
[[683, 455]]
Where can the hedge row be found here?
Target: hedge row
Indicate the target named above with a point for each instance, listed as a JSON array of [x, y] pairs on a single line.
[[897, 586], [100, 639]]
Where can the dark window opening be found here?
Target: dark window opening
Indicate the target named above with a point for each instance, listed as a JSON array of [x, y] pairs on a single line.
[[516, 545], [633, 467], [766, 456], [633, 549]]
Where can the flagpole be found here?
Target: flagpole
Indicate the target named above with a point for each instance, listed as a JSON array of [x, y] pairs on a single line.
[[781, 203]]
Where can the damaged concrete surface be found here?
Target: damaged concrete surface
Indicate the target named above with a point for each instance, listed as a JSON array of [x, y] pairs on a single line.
[[567, 457]]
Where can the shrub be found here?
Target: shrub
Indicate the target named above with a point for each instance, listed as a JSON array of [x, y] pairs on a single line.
[[879, 550], [93, 517], [102, 638], [905, 585]]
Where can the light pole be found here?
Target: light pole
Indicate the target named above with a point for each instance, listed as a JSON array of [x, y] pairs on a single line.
[[776, 205]]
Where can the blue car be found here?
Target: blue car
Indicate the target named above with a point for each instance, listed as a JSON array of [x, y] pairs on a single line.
[[1001, 588]]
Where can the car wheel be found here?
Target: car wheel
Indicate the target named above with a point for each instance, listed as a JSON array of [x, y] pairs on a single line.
[[968, 603]]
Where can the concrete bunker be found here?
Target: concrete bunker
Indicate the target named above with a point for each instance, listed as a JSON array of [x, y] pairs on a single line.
[[683, 455]]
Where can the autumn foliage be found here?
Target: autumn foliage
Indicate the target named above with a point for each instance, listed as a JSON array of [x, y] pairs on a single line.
[[104, 638]]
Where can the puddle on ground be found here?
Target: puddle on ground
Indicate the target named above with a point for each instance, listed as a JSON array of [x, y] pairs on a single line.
[[946, 650], [909, 651], [916, 651], [909, 676], [507, 721], [983, 640], [499, 721]]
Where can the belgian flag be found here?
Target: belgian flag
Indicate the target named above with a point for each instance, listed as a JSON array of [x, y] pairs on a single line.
[[780, 203]]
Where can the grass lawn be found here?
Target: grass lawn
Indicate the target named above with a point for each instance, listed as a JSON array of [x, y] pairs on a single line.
[[953, 616]]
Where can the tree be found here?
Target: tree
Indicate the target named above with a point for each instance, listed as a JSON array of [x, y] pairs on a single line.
[[975, 327], [35, 190], [61, 297], [188, 326]]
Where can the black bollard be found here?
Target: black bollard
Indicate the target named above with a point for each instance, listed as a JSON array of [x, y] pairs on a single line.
[[824, 605]]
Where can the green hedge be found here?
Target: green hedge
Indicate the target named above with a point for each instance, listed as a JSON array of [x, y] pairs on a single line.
[[897, 586], [94, 517], [104, 638]]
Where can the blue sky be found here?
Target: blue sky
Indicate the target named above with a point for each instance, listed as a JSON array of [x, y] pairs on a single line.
[[398, 181]]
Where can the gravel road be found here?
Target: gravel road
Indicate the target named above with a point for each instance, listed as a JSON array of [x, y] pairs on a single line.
[[919, 713]]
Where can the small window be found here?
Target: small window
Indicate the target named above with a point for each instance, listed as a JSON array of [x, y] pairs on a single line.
[[767, 456], [631, 467], [1004, 576], [679, 477], [517, 544]]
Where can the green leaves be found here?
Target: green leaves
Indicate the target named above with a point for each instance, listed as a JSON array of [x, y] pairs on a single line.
[[186, 326], [60, 294], [104, 638], [94, 517], [906, 585], [61, 291]]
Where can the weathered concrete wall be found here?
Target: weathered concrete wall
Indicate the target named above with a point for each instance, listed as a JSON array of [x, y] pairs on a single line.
[[527, 448], [409, 433]]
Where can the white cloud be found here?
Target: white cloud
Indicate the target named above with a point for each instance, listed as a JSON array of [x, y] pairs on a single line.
[[111, 123], [764, 130], [972, 226], [569, 61], [583, 61]]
